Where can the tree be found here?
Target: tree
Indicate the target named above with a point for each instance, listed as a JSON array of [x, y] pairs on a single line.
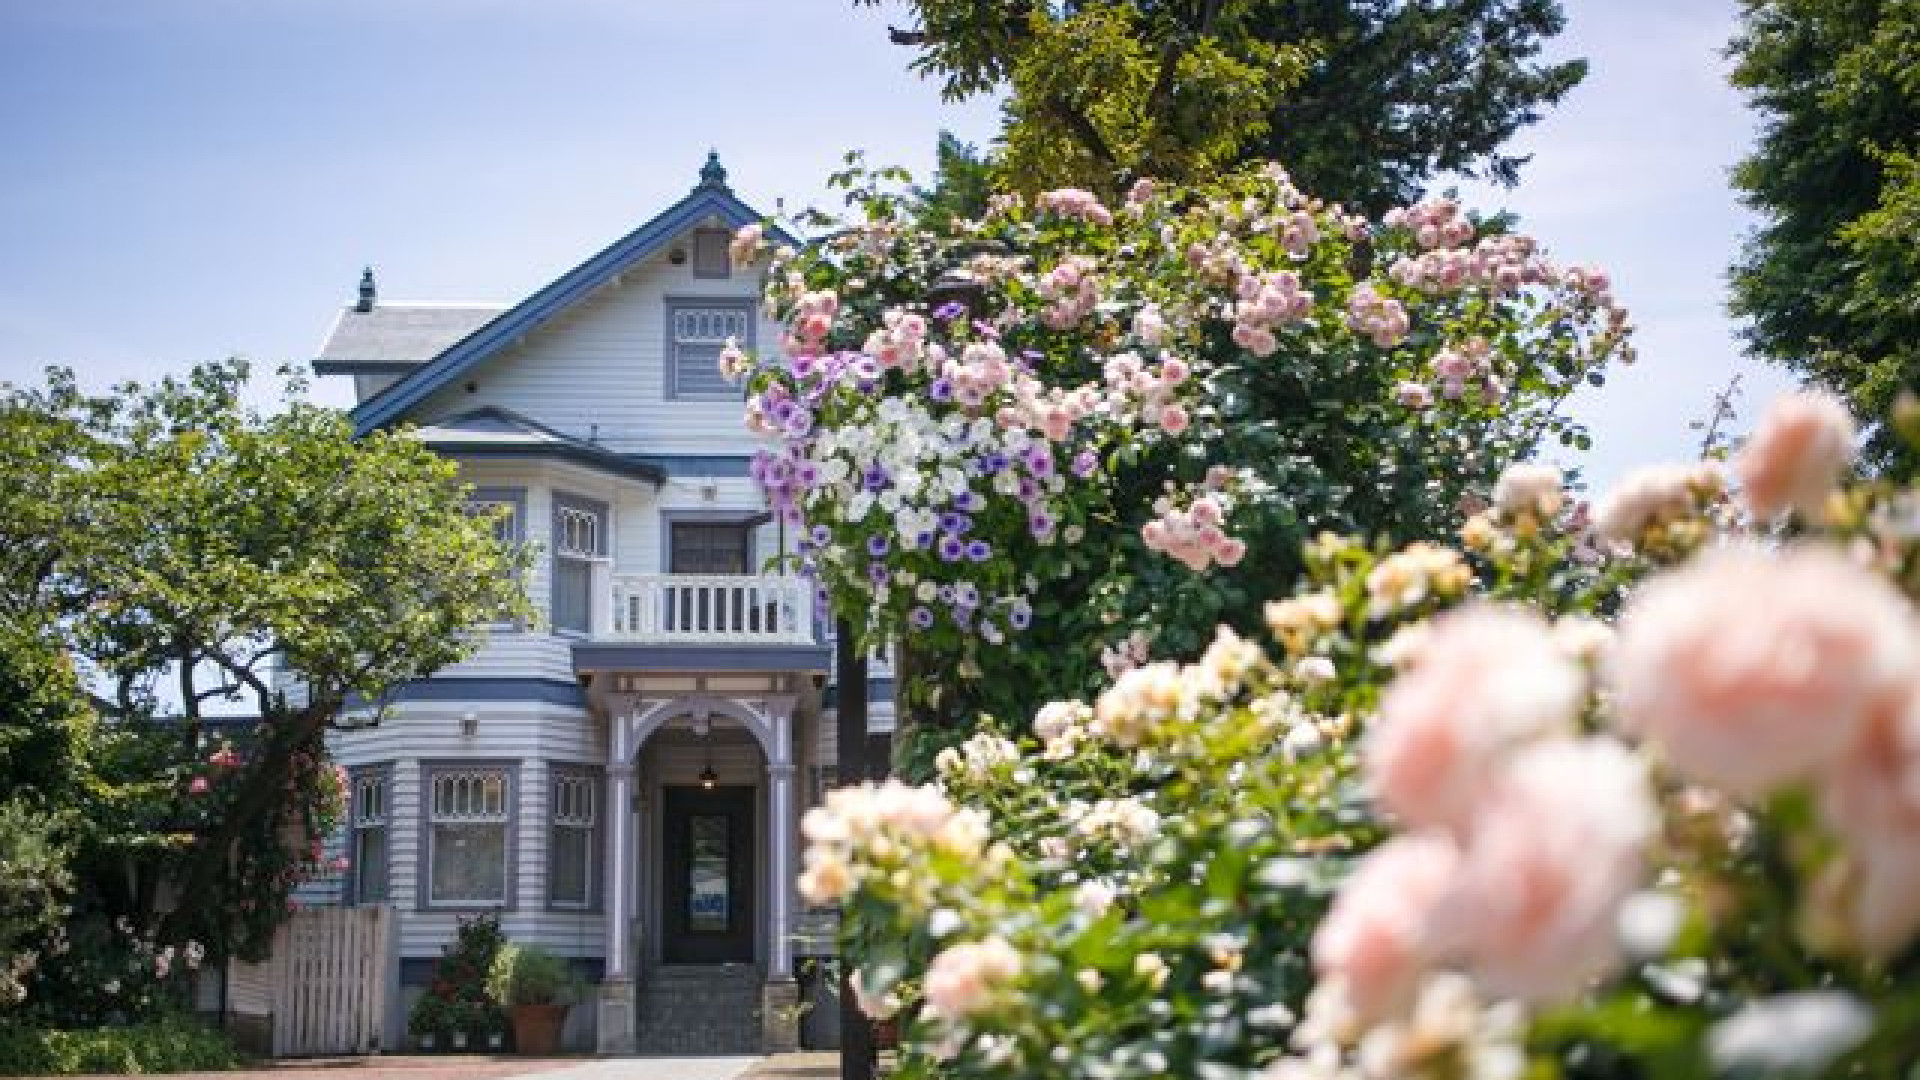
[[1830, 283], [1366, 100], [962, 185], [268, 560]]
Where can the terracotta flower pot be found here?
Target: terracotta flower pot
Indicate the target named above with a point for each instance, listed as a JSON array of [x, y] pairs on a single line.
[[536, 1028]]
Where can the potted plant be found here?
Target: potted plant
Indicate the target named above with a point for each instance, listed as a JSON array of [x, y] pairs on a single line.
[[535, 987], [493, 1028], [460, 1018], [428, 1021]]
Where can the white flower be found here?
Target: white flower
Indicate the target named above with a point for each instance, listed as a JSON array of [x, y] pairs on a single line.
[[1796, 1034]]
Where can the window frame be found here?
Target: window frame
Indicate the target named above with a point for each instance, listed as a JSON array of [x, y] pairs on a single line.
[[514, 498], [724, 240], [595, 780], [352, 893], [670, 351], [563, 502], [510, 881]]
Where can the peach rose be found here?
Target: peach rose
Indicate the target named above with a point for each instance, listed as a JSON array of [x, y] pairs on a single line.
[[1796, 456], [1374, 941], [964, 979], [1553, 853], [1752, 670], [1487, 679]]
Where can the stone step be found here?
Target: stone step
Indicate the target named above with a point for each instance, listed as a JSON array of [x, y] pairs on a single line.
[[700, 1010]]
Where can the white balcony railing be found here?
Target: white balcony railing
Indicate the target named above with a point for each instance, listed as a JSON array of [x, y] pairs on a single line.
[[708, 609]]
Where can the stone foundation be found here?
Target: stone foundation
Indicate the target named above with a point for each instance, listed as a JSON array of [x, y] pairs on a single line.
[[780, 1017], [617, 1013]]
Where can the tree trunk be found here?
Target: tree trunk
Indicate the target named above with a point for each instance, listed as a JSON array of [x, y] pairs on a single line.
[[850, 726]]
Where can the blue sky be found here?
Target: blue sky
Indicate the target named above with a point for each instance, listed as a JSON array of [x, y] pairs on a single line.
[[197, 178]]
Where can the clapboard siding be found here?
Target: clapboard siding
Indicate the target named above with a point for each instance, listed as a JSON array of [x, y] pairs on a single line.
[[601, 368], [534, 737]]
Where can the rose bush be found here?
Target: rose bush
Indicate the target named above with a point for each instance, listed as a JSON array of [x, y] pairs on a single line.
[[1622, 797], [1099, 431]]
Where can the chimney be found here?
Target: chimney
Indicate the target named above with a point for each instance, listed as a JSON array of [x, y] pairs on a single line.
[[366, 291]]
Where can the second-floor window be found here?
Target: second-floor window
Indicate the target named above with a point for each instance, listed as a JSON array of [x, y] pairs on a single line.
[[696, 332], [709, 547], [579, 538]]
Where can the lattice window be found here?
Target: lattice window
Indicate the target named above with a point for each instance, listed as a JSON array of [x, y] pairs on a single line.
[[371, 871], [468, 818], [695, 335], [571, 845]]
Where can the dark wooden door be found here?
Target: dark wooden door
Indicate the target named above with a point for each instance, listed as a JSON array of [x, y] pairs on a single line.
[[708, 548], [707, 876]]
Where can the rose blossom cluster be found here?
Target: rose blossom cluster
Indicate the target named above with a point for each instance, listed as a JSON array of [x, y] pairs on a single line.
[[967, 978], [1382, 319], [1265, 301], [1075, 203], [1660, 510], [1136, 388], [1143, 700], [1796, 456], [1414, 575], [868, 829], [1070, 291], [1520, 842], [901, 340], [1808, 680], [1469, 362], [1195, 536]]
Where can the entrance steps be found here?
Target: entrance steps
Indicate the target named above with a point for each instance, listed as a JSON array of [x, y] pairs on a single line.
[[695, 1009]]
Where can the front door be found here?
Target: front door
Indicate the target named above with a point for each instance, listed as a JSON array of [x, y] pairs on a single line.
[[707, 874]]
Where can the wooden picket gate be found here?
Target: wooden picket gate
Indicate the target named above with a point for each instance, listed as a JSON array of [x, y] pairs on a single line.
[[324, 990]]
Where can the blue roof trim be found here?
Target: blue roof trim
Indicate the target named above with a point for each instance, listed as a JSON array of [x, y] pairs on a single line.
[[570, 288], [729, 465], [589, 656], [545, 691]]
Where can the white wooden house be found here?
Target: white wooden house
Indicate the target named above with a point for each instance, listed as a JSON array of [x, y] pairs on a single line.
[[622, 780]]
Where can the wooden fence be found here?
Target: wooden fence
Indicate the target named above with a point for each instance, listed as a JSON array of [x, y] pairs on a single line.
[[324, 990]]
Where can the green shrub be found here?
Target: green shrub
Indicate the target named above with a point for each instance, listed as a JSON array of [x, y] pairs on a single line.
[[171, 1044], [530, 975]]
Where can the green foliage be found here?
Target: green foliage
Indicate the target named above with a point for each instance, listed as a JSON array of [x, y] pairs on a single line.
[[1364, 99], [1827, 286], [530, 975], [962, 185], [34, 883], [169, 1044], [457, 997], [168, 535]]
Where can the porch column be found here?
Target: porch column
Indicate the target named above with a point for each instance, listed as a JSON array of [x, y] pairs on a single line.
[[780, 865], [619, 870], [617, 1032]]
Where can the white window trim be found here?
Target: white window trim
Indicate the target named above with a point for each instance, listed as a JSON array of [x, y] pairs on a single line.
[[431, 772]]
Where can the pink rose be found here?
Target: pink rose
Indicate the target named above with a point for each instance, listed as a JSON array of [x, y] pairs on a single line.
[[1173, 419], [1751, 670], [1553, 851], [1871, 798], [1374, 940], [198, 785], [1487, 680], [1796, 456]]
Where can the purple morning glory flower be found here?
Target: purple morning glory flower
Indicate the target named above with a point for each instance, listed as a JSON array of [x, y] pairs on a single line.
[[783, 411], [947, 594], [877, 545], [1039, 461], [806, 474], [979, 551], [953, 523], [803, 365], [878, 573], [777, 472], [1029, 490], [798, 424], [949, 311], [1084, 463], [940, 390], [992, 464], [921, 618], [951, 549], [1019, 616], [821, 535], [966, 502], [875, 478], [1040, 523], [923, 540]]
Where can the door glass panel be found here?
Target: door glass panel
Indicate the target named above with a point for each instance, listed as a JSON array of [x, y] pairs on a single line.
[[707, 897]]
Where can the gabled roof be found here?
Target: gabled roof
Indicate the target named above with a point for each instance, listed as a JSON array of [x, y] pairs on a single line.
[[497, 432], [712, 198], [392, 336]]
